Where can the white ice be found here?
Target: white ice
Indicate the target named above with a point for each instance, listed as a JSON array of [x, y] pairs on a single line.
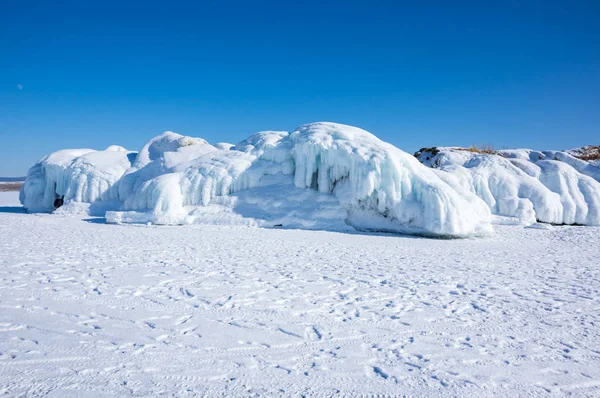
[[548, 186]]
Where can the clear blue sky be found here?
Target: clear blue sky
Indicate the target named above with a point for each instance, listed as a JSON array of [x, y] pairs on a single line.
[[94, 73]]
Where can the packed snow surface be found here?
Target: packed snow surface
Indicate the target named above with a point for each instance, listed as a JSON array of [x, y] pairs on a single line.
[[321, 176], [522, 184], [97, 310]]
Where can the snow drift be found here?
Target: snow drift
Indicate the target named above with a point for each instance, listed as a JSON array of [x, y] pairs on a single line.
[[321, 176], [547, 186]]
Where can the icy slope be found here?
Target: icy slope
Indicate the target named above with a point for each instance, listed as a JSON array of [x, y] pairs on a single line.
[[548, 186], [321, 176]]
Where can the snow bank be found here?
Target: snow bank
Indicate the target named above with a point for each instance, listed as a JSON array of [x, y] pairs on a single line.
[[321, 176], [549, 186]]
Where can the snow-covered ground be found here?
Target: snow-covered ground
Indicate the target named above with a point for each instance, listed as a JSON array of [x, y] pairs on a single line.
[[92, 309]]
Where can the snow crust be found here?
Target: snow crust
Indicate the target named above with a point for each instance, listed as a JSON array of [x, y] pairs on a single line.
[[321, 176], [523, 184], [96, 310]]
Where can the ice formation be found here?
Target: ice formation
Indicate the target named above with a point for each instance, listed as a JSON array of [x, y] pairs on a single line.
[[526, 185], [78, 175], [321, 176]]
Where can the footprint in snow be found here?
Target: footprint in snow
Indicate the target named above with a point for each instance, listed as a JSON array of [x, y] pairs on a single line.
[[312, 333]]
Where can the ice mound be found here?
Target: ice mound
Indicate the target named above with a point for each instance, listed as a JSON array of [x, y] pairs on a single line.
[[161, 156], [547, 186], [79, 175], [382, 187], [589, 168], [321, 176]]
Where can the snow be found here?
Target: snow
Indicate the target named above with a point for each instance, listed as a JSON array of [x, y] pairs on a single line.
[[548, 186], [353, 177], [224, 146], [10, 199], [591, 169], [93, 309]]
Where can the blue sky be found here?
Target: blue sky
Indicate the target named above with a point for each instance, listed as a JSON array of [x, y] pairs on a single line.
[[90, 74]]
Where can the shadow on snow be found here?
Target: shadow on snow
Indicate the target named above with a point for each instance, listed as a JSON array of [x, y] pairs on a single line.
[[12, 209]]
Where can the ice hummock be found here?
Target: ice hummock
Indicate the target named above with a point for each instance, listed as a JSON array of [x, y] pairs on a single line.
[[78, 175], [377, 182], [320, 176], [526, 185]]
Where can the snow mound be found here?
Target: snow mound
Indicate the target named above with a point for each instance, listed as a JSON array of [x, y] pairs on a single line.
[[116, 148], [224, 146], [547, 186], [321, 176]]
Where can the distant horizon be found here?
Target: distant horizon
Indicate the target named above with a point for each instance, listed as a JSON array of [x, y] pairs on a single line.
[[88, 75]]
